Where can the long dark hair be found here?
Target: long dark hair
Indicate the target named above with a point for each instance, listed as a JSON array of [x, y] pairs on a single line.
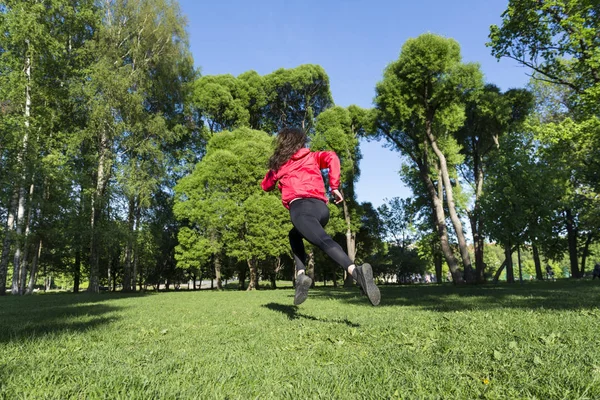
[[289, 141]]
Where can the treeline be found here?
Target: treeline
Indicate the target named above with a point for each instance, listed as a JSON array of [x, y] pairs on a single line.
[[120, 165]]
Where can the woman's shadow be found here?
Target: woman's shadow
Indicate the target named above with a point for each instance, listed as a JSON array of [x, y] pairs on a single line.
[[292, 314]]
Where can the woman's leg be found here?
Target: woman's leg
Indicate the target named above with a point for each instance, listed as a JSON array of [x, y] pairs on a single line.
[[298, 249], [309, 216]]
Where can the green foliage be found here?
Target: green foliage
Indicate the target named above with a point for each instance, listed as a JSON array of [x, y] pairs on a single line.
[[224, 207], [571, 151], [427, 81], [420, 105], [518, 196], [556, 38], [489, 115], [296, 96], [286, 97], [397, 216], [222, 100], [335, 131], [426, 86]]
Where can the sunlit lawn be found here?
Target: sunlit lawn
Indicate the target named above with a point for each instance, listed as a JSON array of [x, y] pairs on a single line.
[[537, 340]]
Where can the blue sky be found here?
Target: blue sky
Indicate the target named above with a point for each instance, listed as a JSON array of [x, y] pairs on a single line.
[[353, 41]]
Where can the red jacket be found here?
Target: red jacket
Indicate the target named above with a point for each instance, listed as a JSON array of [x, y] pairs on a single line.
[[300, 176]]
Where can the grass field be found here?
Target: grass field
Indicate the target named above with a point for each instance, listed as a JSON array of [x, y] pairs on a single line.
[[531, 341]]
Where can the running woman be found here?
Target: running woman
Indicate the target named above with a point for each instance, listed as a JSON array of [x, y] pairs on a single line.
[[298, 171]]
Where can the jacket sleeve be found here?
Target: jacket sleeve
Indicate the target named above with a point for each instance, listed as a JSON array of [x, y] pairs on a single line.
[[269, 181], [328, 159]]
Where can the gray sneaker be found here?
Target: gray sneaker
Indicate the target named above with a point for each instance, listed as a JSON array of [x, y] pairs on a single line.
[[364, 278], [303, 283]]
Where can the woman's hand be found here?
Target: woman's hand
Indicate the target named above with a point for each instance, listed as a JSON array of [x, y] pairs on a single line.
[[338, 196]]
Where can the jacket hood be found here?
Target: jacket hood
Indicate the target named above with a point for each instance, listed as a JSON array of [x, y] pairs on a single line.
[[303, 152]]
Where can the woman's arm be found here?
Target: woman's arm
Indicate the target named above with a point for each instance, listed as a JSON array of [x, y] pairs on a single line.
[[330, 160], [269, 181]]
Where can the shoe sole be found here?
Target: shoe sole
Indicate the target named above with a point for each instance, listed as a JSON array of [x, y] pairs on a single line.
[[371, 289], [302, 291]]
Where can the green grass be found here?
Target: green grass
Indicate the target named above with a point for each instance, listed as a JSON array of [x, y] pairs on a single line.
[[531, 341]]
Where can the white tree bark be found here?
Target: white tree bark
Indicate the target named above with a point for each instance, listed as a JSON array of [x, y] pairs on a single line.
[[23, 267], [136, 248], [20, 164], [97, 199], [8, 236], [456, 222], [34, 264]]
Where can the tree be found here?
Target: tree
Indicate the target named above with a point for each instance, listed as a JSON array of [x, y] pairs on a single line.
[[558, 39], [489, 115], [133, 88], [338, 129], [397, 221], [569, 143], [520, 195], [396, 217], [223, 198], [41, 53], [295, 97], [222, 101], [572, 147], [420, 105], [256, 98]]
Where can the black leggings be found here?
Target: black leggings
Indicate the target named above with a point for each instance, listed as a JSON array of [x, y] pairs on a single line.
[[309, 216]]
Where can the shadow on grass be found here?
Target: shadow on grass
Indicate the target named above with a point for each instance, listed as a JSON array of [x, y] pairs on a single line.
[[560, 295], [292, 313], [33, 317]]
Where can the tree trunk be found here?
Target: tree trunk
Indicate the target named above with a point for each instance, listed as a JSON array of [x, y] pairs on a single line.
[[520, 266], [242, 279], [21, 165], [77, 241], [136, 249], [437, 208], [18, 231], [476, 223], [456, 222], [503, 265], [335, 280], [499, 272], [77, 271], [585, 253], [350, 241], [217, 262], [538, 264], [440, 223], [116, 261], [129, 246], [253, 285], [437, 260], [8, 236], [25, 258], [310, 267], [97, 202], [510, 276], [276, 269], [34, 264], [572, 240]]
